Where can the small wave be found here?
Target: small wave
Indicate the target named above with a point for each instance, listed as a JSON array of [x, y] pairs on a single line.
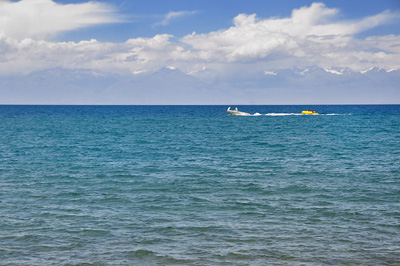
[[141, 253]]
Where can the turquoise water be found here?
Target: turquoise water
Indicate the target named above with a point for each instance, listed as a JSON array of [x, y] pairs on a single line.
[[190, 185]]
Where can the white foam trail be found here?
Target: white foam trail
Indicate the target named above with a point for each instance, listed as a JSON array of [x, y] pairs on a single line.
[[282, 114], [286, 114]]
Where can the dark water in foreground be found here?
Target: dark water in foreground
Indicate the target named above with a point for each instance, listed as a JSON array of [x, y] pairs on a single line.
[[190, 185]]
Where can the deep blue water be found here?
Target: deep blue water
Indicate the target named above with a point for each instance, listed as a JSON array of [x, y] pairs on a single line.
[[191, 185]]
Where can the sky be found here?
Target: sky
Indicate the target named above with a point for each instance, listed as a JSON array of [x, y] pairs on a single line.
[[148, 18], [218, 44]]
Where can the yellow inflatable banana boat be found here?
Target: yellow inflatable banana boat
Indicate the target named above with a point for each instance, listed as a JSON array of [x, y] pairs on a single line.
[[308, 112]]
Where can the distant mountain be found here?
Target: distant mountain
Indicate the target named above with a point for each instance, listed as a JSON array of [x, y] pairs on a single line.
[[312, 85], [164, 86], [322, 86], [65, 86], [55, 86]]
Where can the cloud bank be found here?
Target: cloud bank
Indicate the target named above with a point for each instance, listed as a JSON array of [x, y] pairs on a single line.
[[40, 19], [312, 36]]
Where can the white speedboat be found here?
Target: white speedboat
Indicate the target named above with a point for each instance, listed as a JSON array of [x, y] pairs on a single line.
[[236, 112]]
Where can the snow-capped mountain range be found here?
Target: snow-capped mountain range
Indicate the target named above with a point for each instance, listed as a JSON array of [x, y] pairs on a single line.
[[169, 85]]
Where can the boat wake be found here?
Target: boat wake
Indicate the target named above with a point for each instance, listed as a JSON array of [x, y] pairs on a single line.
[[236, 112], [286, 114], [282, 114]]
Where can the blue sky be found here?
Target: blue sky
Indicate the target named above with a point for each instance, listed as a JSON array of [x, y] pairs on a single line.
[[226, 46], [142, 18]]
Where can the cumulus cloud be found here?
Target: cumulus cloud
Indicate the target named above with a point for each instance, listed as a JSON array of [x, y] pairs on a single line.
[[309, 31], [40, 19], [139, 54], [311, 36]]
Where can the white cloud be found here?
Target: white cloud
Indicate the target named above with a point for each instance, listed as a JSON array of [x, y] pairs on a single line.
[[310, 33], [40, 19], [140, 54], [311, 36], [173, 15]]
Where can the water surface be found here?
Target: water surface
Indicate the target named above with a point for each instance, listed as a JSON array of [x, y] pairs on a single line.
[[191, 185]]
